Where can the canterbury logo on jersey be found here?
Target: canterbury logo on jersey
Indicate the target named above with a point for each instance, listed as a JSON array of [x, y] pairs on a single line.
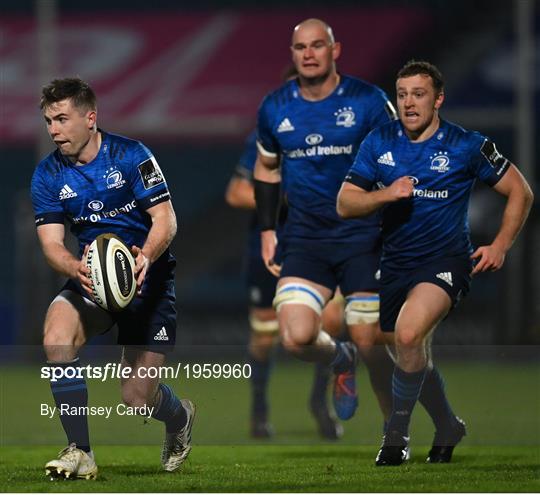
[[285, 126], [162, 335], [447, 277], [387, 159], [66, 192]]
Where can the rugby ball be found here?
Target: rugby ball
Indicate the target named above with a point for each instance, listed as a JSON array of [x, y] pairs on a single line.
[[112, 271]]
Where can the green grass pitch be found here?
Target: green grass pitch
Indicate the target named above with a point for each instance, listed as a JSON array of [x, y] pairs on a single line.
[[501, 453]]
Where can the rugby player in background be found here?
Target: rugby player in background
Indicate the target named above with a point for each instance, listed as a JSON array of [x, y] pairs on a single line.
[[261, 286], [100, 182]]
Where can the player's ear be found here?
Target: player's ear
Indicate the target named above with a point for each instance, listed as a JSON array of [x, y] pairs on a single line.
[[439, 100], [336, 50], [91, 117]]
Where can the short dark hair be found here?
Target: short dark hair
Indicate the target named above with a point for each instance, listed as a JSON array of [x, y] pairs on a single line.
[[78, 91], [415, 67]]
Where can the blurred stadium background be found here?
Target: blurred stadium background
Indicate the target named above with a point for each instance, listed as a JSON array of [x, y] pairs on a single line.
[[187, 78]]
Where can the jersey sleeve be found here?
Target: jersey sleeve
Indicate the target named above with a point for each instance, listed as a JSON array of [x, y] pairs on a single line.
[[363, 172], [486, 162], [45, 200], [147, 180], [382, 111], [246, 162], [266, 141]]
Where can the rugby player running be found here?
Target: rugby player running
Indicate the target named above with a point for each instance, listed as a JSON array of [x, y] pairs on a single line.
[[100, 182], [261, 285], [425, 168], [308, 134]]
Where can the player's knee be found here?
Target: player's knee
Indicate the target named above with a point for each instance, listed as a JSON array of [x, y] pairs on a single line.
[[290, 345], [59, 344], [133, 397], [53, 337], [362, 310], [295, 339], [408, 339]]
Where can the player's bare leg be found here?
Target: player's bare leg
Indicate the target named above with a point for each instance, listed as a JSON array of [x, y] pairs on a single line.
[[178, 415], [300, 320], [299, 303], [425, 307], [64, 335]]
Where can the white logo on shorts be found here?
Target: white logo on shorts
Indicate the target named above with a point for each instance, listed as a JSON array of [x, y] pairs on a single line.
[[447, 277], [162, 335]]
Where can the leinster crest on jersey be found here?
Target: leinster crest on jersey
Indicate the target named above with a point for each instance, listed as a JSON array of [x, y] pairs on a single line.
[[114, 178], [345, 117], [440, 162]]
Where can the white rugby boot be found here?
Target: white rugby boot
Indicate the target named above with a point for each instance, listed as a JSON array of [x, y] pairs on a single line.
[[72, 463], [177, 445]]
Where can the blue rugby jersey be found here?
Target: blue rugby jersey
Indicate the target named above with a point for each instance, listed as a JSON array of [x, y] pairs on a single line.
[[108, 194], [433, 222], [317, 142]]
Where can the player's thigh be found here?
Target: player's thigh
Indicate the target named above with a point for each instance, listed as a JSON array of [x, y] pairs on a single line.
[[332, 315], [299, 303], [362, 317], [71, 319], [425, 306], [307, 282], [141, 385]]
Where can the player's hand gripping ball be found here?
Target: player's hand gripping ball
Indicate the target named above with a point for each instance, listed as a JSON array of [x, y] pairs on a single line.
[[112, 272]]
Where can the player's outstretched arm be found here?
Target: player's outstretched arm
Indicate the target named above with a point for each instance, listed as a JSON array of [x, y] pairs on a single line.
[[518, 204], [240, 194], [51, 238], [353, 201], [160, 236]]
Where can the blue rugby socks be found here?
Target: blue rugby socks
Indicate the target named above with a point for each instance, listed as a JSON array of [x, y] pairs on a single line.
[[344, 358], [433, 398], [71, 398], [321, 378], [405, 391], [170, 410], [260, 375]]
